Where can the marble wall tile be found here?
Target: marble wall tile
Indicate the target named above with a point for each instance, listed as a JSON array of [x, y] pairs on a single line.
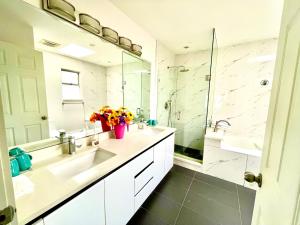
[[225, 165], [239, 96], [191, 99], [136, 88], [165, 82], [114, 86]]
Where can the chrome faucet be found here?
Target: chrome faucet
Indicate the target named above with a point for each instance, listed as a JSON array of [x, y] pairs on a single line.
[[142, 124], [140, 119], [220, 121], [72, 145]]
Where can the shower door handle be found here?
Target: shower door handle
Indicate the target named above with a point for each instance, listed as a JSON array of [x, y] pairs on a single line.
[[178, 115]]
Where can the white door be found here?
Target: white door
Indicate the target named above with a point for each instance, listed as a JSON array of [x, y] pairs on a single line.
[[23, 94], [278, 200], [6, 187]]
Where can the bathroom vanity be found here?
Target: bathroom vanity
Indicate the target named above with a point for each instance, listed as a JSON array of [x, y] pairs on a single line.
[[105, 184]]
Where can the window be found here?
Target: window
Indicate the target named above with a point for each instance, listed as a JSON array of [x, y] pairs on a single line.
[[70, 85]]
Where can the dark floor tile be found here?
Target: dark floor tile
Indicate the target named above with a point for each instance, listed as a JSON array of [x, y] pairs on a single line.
[[179, 180], [142, 217], [216, 181], [215, 193], [182, 170], [213, 210], [247, 199], [189, 217], [171, 191], [162, 207]]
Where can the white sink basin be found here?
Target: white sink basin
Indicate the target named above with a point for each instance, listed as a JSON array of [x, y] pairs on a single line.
[[152, 131], [73, 167]]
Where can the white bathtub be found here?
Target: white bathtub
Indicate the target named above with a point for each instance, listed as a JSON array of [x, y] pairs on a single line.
[[228, 157], [241, 144]]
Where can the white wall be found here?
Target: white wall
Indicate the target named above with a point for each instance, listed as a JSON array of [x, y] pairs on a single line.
[[15, 32], [93, 89]]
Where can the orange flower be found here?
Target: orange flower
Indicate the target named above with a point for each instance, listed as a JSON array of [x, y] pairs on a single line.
[[93, 118]]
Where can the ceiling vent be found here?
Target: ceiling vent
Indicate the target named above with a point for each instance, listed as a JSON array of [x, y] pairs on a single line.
[[49, 43]]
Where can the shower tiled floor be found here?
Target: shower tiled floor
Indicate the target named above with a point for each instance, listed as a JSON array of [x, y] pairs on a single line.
[[186, 197]]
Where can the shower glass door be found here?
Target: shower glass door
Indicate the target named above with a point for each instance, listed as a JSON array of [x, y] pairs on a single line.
[[185, 105], [191, 100]]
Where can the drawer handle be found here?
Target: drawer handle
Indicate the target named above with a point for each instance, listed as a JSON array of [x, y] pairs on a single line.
[[143, 186], [139, 173]]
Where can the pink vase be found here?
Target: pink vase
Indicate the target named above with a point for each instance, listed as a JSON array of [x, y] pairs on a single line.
[[119, 131]]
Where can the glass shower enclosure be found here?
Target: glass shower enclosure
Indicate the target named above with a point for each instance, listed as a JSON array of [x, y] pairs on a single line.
[[187, 106]]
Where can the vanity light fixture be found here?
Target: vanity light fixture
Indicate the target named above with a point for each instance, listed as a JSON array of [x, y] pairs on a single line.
[[76, 51]]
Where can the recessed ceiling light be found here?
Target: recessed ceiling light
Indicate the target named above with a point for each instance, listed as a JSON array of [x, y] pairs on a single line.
[[76, 51]]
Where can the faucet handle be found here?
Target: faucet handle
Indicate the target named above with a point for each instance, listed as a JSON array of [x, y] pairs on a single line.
[[62, 135]]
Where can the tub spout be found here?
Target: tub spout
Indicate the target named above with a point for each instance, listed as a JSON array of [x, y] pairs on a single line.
[[219, 122]]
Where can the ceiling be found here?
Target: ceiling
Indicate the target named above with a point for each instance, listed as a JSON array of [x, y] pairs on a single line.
[[179, 23]]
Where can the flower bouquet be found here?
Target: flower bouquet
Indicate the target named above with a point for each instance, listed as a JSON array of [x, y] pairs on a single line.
[[102, 116], [118, 119]]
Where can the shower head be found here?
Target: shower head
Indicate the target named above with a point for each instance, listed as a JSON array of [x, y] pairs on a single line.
[[182, 68]]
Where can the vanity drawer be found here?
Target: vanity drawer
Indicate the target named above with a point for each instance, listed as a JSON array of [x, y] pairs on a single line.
[[143, 194], [143, 178], [142, 161]]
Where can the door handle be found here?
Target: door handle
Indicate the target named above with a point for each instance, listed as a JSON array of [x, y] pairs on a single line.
[[250, 177], [44, 117], [7, 215]]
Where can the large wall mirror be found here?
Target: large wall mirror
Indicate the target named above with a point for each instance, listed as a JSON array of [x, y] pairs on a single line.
[[136, 85], [50, 81]]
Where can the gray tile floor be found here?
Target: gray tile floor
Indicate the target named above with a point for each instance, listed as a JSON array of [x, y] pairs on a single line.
[[186, 197]]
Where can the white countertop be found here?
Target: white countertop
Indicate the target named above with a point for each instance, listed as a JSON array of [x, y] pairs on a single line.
[[39, 190]]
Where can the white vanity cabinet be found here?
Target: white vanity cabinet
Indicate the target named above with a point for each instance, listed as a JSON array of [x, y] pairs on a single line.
[[40, 222], [121, 188], [159, 161], [169, 158], [122, 192], [86, 208], [119, 196]]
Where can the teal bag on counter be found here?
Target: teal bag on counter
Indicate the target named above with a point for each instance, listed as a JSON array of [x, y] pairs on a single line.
[[24, 161], [14, 167], [15, 151]]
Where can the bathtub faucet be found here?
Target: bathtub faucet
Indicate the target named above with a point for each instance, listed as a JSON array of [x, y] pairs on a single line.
[[220, 121]]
